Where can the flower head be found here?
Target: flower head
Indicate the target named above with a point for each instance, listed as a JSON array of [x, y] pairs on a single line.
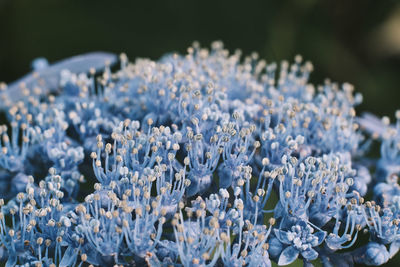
[[203, 159]]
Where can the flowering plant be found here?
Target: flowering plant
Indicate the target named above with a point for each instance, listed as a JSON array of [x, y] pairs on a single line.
[[204, 159]]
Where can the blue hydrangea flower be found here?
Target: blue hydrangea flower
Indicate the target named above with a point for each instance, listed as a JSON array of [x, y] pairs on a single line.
[[301, 240], [203, 159]]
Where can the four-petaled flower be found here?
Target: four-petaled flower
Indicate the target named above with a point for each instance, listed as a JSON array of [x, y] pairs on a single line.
[[300, 240]]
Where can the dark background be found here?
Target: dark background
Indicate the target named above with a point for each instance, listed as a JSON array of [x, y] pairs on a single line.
[[355, 41]]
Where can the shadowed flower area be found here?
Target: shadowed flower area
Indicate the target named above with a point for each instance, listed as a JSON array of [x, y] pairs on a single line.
[[205, 159]]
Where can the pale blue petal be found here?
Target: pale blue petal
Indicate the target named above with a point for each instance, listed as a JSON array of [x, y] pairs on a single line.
[[282, 236], [309, 254], [69, 257], [394, 248], [288, 256], [321, 237]]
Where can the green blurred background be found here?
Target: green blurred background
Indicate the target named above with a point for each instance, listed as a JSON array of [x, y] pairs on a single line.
[[355, 41]]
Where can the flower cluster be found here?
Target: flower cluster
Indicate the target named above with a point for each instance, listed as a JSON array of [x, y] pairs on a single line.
[[203, 159]]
